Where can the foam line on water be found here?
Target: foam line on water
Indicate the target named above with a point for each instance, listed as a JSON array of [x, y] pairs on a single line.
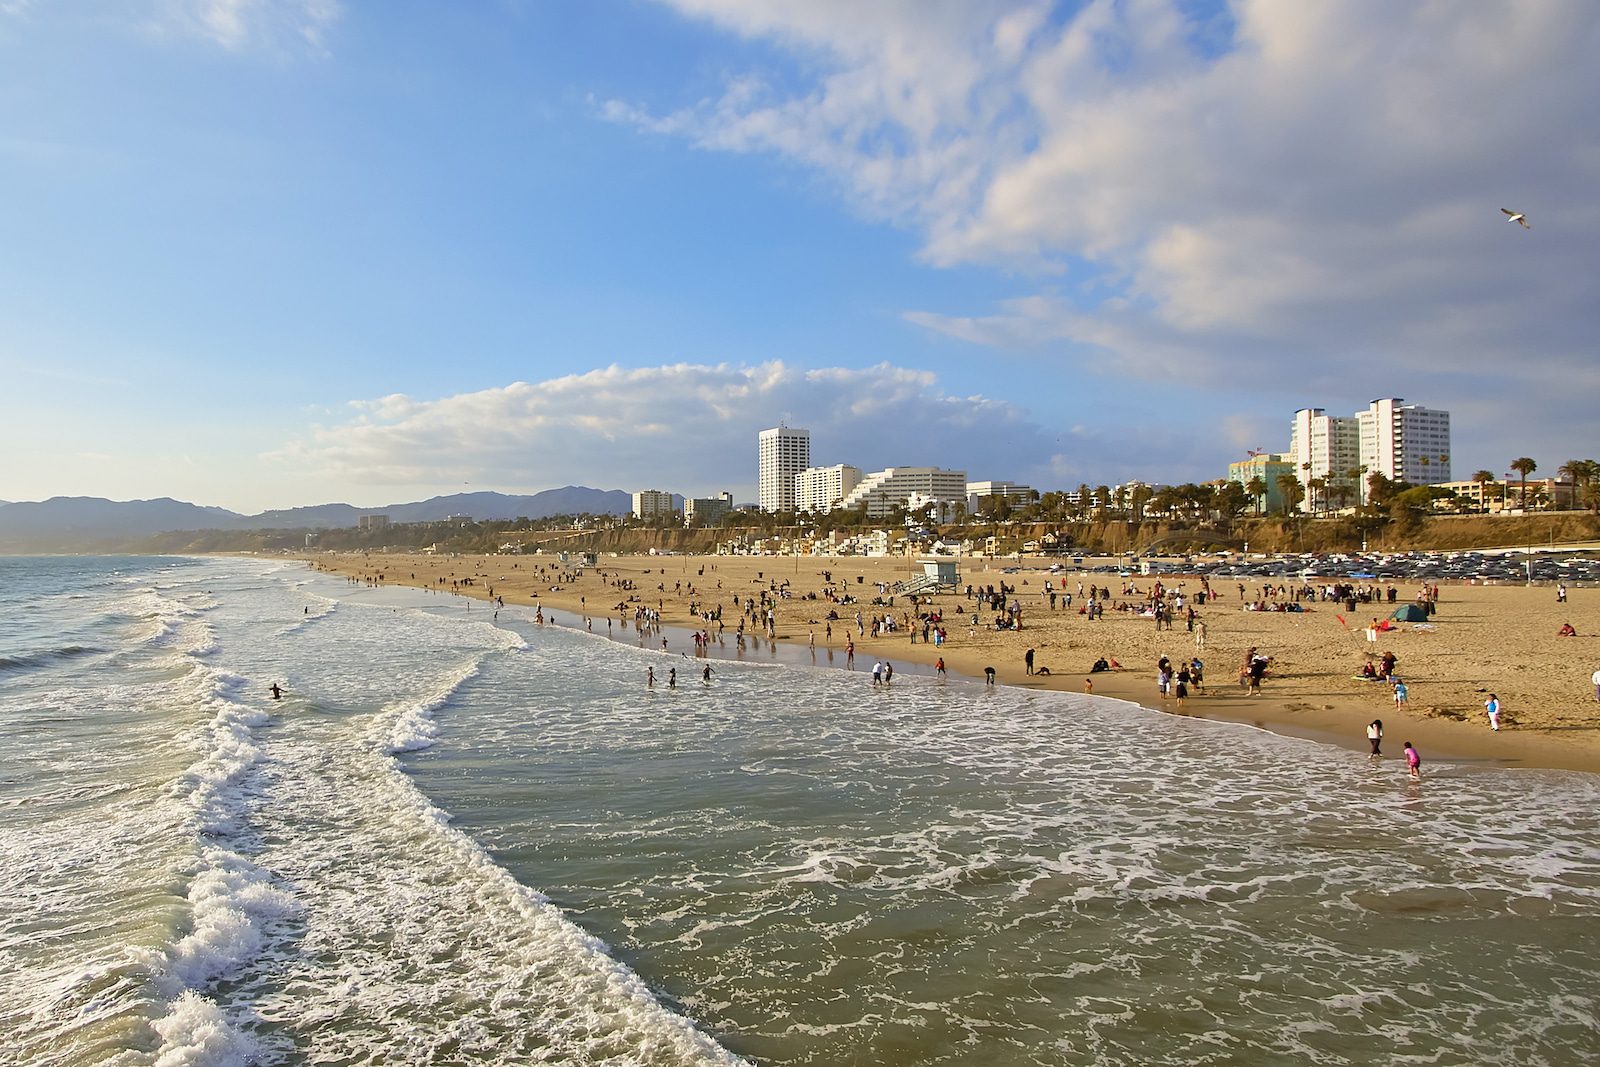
[[232, 904]]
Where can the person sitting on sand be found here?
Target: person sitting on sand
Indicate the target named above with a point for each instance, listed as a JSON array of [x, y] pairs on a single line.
[[1100, 665], [1566, 630]]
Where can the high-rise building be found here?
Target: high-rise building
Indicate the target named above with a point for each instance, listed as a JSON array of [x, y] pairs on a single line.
[[1324, 446], [783, 452], [1406, 442], [650, 503], [822, 488], [888, 489]]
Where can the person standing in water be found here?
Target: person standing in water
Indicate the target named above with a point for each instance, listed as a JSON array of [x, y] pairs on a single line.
[[277, 693], [705, 675], [1375, 735], [650, 677], [1413, 761]]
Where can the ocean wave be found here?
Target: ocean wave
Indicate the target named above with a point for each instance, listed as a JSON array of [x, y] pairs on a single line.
[[43, 657]]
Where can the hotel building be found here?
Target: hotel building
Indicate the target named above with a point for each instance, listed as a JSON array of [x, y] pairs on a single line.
[[1406, 442], [885, 490]]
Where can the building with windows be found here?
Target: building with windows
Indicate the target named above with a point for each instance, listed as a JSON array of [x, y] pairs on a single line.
[[782, 453], [822, 488], [652, 503], [1269, 467], [372, 522], [706, 511], [883, 491], [1406, 442], [1328, 447], [1015, 493]]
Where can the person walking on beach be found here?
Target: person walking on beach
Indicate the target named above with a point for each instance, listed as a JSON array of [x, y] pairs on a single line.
[[1027, 660], [1561, 592], [1413, 762], [1375, 735], [1492, 706], [1400, 694], [938, 666], [1200, 635], [1595, 678]]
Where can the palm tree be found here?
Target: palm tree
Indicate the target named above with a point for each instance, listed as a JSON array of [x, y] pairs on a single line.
[[1258, 489], [1483, 478], [1292, 494], [1580, 472], [1319, 493], [1524, 466]]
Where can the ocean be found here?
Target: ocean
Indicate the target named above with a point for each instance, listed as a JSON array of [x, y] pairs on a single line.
[[465, 837]]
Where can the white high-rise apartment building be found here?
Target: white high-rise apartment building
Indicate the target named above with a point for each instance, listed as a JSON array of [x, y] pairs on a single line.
[[822, 488], [1406, 442], [783, 453], [1323, 446], [649, 503]]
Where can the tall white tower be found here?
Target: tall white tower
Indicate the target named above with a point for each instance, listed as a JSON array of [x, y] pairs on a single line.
[[1406, 442], [784, 452]]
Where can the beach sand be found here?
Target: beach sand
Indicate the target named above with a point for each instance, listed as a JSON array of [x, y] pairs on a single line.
[[1482, 639]]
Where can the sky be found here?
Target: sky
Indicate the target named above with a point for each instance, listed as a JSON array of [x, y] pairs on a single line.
[[265, 254]]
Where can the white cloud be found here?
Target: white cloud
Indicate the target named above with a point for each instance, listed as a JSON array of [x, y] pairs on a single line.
[[683, 427], [1302, 193], [270, 25]]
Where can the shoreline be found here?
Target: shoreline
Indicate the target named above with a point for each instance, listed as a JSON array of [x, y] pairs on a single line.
[[1308, 698]]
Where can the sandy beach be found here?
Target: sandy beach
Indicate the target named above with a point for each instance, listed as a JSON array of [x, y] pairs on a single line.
[[1482, 639]]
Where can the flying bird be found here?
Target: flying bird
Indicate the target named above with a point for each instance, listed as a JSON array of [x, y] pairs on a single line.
[[1517, 217]]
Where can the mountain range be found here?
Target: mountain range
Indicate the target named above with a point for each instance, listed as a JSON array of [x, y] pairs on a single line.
[[69, 523]]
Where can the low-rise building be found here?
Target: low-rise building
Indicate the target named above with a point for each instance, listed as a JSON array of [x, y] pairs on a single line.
[[1014, 493], [707, 511], [1269, 467]]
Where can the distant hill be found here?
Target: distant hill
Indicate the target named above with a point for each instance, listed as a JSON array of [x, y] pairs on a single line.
[[81, 524]]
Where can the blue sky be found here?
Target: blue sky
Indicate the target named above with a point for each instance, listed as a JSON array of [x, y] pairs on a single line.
[[265, 254]]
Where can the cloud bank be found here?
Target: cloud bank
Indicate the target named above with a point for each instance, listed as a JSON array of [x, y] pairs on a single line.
[[1297, 196], [684, 427]]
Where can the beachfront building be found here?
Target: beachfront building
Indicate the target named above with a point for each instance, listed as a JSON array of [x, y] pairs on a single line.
[[1014, 493], [1269, 467], [823, 488], [1327, 447], [883, 491], [1406, 442], [782, 453], [706, 510], [651, 504]]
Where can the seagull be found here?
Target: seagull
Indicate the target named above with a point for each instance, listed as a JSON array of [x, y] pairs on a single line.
[[1517, 217]]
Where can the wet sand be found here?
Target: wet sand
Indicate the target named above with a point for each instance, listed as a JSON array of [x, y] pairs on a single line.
[[1482, 639]]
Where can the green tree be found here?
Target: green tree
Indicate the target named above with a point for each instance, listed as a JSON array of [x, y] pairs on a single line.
[[1232, 498], [1524, 466], [1257, 487], [1483, 478], [1291, 490]]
